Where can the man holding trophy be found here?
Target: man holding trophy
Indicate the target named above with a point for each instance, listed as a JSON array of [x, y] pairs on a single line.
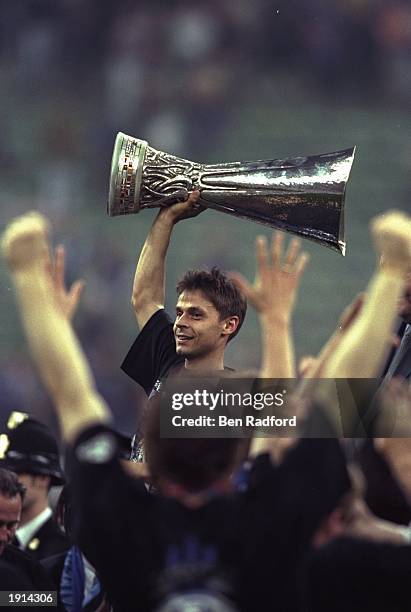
[[209, 312], [301, 195]]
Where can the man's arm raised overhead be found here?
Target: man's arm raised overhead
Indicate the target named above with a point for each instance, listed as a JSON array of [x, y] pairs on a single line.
[[149, 280]]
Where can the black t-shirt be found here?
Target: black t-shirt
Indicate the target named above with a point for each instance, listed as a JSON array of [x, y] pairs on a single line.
[[250, 544], [153, 353]]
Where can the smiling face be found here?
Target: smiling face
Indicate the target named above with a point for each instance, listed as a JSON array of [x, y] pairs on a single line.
[[10, 511], [199, 332]]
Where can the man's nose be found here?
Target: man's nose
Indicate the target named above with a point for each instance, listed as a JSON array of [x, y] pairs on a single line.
[[181, 321]]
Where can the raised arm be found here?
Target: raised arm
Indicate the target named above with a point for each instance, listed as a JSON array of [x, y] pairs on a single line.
[[273, 296], [53, 344], [149, 280], [361, 352]]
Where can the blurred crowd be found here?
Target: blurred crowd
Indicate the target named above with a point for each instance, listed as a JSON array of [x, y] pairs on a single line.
[[78, 71], [306, 509], [173, 68]]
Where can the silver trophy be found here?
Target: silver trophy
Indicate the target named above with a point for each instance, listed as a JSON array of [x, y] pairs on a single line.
[[301, 195]]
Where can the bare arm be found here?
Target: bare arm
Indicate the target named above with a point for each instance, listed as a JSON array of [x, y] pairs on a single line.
[[362, 350], [53, 344], [273, 296], [316, 370], [149, 280]]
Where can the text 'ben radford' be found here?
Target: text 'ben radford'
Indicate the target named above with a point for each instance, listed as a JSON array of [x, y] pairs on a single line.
[[224, 421]]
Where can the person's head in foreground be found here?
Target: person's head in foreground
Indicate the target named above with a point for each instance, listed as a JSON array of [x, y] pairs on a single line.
[[11, 501], [190, 469]]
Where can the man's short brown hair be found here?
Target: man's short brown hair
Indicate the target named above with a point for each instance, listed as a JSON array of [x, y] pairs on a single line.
[[193, 463], [10, 485], [219, 290]]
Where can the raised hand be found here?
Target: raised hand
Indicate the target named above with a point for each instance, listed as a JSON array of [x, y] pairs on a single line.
[[25, 245], [25, 242], [183, 210], [274, 291], [67, 299], [391, 233]]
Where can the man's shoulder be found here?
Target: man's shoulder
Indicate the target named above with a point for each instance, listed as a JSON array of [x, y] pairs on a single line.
[[51, 530], [48, 540], [153, 353]]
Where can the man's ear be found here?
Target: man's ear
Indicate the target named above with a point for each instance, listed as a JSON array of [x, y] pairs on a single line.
[[230, 325]]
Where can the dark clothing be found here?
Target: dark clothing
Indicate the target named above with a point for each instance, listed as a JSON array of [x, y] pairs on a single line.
[[30, 570], [47, 541], [150, 360], [54, 567], [153, 353], [250, 544], [356, 575], [30, 575], [399, 361], [383, 494], [13, 579]]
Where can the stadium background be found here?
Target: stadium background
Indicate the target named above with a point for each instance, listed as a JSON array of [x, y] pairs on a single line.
[[212, 81]]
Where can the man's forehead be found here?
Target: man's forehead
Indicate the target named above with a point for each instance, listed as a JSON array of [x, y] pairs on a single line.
[[10, 507], [194, 299]]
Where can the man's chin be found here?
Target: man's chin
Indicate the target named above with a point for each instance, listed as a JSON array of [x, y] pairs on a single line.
[[183, 351], [187, 352]]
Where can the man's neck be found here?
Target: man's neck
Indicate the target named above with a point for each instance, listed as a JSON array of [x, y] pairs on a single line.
[[33, 510], [206, 363]]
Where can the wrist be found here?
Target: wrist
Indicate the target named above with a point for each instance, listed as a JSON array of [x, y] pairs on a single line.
[[270, 320], [166, 217], [396, 269]]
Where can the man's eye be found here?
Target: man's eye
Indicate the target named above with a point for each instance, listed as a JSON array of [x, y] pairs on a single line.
[[196, 315]]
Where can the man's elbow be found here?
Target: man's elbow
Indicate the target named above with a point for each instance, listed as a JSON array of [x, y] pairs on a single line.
[[139, 301], [144, 307], [134, 302]]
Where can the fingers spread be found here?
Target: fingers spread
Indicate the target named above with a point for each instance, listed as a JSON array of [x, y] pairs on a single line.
[[241, 282], [261, 253], [292, 252], [76, 290], [302, 261], [59, 265], [277, 248]]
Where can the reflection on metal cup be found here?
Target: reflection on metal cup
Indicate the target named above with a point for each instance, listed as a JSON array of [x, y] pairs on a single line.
[[301, 195]]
